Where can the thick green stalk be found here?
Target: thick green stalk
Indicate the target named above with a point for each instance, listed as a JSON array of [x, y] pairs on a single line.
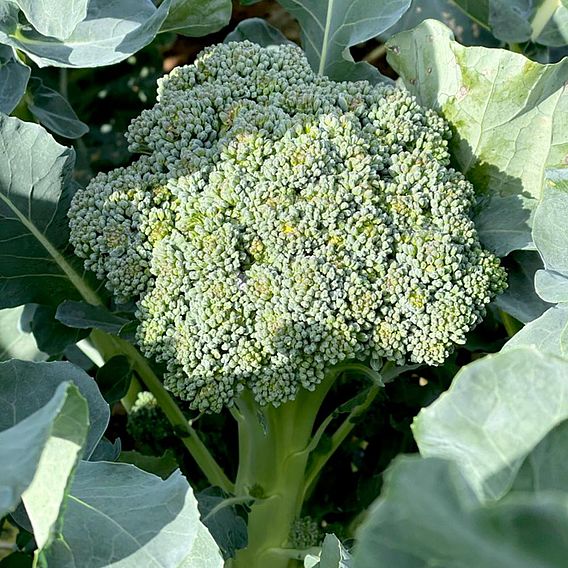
[[274, 448], [273, 455], [542, 16], [109, 345]]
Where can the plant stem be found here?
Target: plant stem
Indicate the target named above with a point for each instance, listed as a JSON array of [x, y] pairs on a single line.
[[63, 85], [272, 464], [516, 48], [511, 325], [109, 346], [337, 439], [542, 16], [129, 398], [295, 553], [227, 503], [376, 53], [275, 445]]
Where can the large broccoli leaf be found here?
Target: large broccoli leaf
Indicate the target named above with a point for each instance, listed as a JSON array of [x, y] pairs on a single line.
[[516, 21], [16, 343], [198, 17], [428, 515], [54, 413], [496, 411], [26, 386], [38, 453], [35, 190], [546, 467], [54, 111], [55, 18], [330, 28], [150, 522], [520, 299], [258, 31], [14, 77], [550, 233], [467, 30], [50, 414], [111, 31], [509, 116]]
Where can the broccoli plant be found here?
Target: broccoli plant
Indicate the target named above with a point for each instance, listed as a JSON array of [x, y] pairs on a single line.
[[296, 245], [280, 229]]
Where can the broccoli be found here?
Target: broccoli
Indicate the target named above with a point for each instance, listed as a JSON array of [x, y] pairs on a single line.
[[305, 533], [278, 223], [148, 425]]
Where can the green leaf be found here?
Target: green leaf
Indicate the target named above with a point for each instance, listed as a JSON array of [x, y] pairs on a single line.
[[478, 10], [14, 77], [112, 31], [258, 31], [53, 111], [107, 450], [86, 316], [505, 226], [162, 466], [38, 449], [520, 299], [517, 21], [52, 337], [17, 560], [509, 20], [546, 467], [221, 517], [311, 561], [55, 18], [550, 231], [114, 378], [25, 387], [550, 234], [150, 522], [495, 412], [14, 342], [551, 286], [555, 31], [35, 190], [331, 27], [44, 497], [506, 112], [428, 515], [333, 554], [467, 31], [197, 17], [548, 333]]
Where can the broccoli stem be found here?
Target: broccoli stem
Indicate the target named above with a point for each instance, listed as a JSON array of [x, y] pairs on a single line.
[[274, 449], [337, 439], [542, 16], [110, 346]]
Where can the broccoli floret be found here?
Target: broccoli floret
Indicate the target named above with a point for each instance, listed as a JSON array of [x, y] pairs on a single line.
[[280, 223], [305, 533], [148, 425]]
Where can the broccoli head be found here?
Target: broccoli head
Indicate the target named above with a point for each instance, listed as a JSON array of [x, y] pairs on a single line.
[[148, 425], [278, 223]]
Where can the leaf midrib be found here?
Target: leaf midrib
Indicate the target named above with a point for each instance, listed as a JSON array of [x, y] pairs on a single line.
[[325, 40], [88, 294]]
